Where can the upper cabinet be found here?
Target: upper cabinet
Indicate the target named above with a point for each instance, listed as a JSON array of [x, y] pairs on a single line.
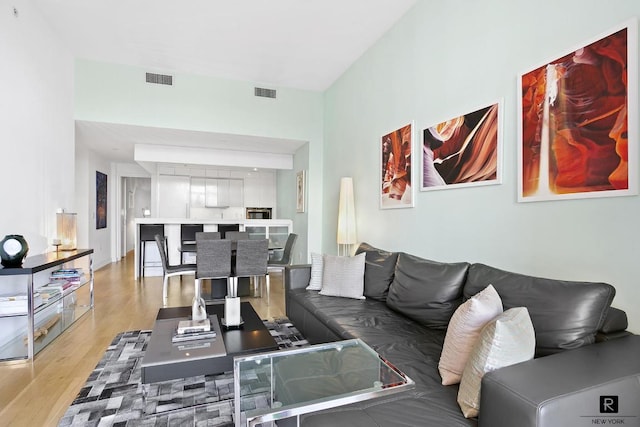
[[173, 196], [216, 192], [260, 189], [187, 193]]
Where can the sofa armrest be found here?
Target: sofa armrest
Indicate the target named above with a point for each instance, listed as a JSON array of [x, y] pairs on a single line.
[[614, 325], [566, 389], [296, 276]]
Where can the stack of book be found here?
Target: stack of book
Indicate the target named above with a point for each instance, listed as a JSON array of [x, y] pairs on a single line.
[[66, 278], [17, 304], [50, 293], [191, 330]]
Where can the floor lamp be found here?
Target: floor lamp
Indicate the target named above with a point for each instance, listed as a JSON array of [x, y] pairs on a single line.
[[346, 217]]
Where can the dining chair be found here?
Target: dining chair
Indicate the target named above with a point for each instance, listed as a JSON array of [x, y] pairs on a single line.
[[170, 270], [252, 257], [213, 260], [208, 235], [188, 238], [236, 235], [281, 263]]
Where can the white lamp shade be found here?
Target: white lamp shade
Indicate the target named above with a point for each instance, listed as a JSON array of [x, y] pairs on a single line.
[[346, 213]]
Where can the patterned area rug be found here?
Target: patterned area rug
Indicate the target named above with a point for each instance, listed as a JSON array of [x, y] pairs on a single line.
[[112, 395]]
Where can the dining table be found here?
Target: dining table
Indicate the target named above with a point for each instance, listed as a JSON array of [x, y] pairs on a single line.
[[244, 283]]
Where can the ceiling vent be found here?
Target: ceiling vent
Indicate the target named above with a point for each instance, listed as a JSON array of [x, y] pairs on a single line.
[[265, 93], [160, 79]]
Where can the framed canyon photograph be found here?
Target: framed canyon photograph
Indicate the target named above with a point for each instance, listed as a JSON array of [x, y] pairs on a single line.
[[463, 151], [396, 186], [578, 122]]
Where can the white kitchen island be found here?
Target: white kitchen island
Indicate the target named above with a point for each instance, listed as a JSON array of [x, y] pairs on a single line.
[[276, 230]]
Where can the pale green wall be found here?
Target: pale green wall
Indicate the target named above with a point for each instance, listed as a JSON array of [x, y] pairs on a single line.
[[119, 94], [444, 58], [287, 207]]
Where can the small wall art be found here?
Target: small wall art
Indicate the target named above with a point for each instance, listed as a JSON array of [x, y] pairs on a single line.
[[463, 151], [300, 191], [101, 200], [396, 155], [578, 122]]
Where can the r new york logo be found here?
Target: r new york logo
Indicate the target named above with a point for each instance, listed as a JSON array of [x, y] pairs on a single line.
[[610, 413], [608, 404]]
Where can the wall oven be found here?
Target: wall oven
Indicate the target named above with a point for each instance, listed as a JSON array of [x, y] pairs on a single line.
[[258, 213]]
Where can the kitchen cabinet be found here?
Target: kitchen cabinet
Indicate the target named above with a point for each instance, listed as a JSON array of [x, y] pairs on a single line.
[[260, 189], [236, 193], [198, 192], [173, 196], [216, 192]]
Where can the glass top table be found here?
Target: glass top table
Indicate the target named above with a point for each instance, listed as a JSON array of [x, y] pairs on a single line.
[[288, 383]]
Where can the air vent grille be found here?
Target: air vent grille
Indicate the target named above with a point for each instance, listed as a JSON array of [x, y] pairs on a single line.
[[265, 93], [161, 79]]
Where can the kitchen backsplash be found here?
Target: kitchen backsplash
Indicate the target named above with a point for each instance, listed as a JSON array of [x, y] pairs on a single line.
[[217, 213]]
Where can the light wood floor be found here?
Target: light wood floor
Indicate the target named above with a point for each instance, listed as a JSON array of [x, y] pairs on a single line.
[[38, 393]]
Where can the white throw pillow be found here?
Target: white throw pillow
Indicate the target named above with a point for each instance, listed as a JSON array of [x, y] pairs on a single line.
[[505, 341], [317, 264], [343, 276], [463, 331]]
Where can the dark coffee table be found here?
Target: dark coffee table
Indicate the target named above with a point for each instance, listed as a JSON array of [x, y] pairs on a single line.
[[253, 337]]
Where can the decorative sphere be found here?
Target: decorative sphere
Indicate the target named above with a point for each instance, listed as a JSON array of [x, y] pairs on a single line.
[[13, 249]]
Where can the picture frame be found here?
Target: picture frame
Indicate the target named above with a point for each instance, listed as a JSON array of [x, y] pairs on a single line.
[[396, 187], [463, 151], [101, 200], [301, 183], [577, 136]]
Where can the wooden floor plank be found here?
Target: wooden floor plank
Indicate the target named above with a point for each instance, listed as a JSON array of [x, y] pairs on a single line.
[[38, 393]]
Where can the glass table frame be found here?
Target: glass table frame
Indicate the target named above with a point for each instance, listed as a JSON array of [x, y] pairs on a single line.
[[331, 374]]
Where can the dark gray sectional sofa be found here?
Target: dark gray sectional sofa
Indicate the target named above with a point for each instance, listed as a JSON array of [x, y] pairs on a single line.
[[405, 315]]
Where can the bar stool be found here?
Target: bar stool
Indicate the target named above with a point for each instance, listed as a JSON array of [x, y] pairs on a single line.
[[223, 228], [188, 238], [147, 234]]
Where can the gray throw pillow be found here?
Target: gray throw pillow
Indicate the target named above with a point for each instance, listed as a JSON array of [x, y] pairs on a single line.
[[317, 267], [564, 314], [343, 276], [379, 270], [427, 291]]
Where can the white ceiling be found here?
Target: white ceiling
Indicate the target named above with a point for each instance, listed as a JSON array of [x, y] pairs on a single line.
[[304, 44], [116, 142]]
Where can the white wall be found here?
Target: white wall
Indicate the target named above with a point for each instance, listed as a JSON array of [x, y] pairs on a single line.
[[37, 133], [442, 59], [118, 94], [86, 166], [138, 192]]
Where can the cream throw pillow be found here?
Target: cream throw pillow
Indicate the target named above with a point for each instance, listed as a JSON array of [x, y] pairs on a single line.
[[463, 331], [507, 340], [343, 276], [317, 264]]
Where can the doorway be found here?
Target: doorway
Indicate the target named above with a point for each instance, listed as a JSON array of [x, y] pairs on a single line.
[[136, 203]]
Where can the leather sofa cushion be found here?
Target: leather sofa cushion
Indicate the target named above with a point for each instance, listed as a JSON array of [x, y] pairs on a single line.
[[565, 314], [427, 291], [379, 270], [615, 321]]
